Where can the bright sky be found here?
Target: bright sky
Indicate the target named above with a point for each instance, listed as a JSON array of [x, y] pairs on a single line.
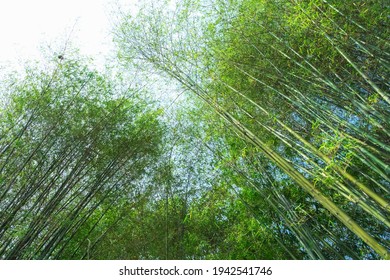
[[26, 25]]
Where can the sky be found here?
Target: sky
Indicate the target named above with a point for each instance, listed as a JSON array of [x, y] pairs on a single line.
[[28, 25]]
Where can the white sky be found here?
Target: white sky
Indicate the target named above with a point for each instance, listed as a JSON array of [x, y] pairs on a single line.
[[27, 25]]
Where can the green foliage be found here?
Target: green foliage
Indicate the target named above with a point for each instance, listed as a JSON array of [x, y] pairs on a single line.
[[284, 153], [301, 87], [70, 144]]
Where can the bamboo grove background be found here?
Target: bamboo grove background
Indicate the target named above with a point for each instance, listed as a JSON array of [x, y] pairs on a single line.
[[274, 146]]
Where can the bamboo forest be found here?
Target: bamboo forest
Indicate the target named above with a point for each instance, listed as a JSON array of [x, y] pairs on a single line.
[[222, 129]]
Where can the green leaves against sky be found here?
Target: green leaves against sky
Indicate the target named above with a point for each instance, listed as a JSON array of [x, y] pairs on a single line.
[[275, 146]]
